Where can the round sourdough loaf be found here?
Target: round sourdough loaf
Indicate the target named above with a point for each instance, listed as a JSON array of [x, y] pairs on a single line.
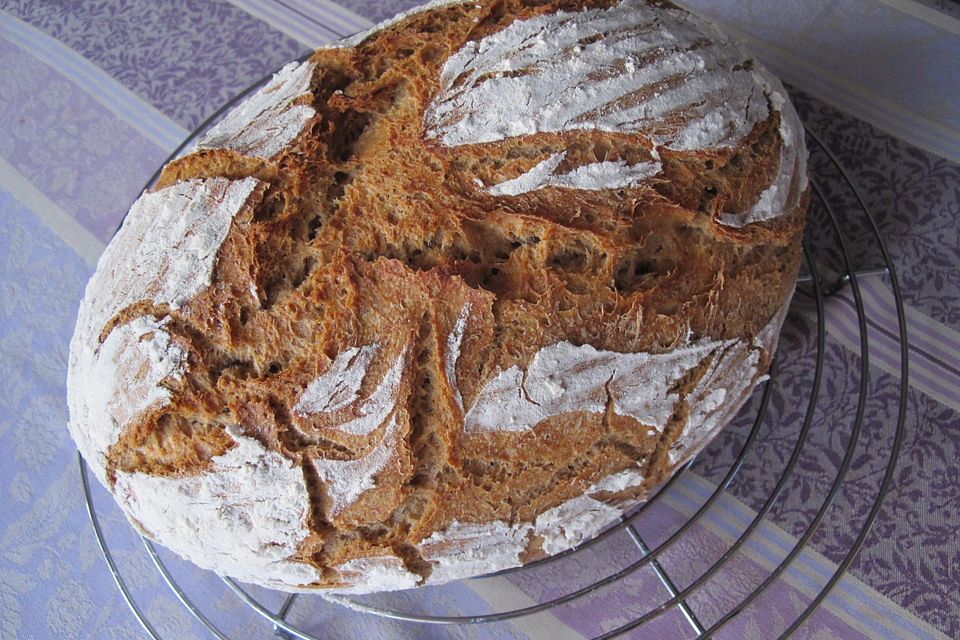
[[445, 298]]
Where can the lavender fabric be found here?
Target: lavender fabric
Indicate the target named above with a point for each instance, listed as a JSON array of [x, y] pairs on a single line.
[[95, 94]]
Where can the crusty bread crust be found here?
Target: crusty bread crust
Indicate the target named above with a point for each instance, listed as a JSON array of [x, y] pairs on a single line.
[[446, 298]]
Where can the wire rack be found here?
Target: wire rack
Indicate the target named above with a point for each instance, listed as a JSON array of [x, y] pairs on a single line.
[[829, 268]]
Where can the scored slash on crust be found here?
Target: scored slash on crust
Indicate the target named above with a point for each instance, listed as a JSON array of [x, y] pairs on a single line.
[[165, 252], [489, 90], [627, 68], [267, 122], [242, 518]]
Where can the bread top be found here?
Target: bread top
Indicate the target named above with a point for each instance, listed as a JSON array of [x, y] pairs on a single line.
[[445, 297]]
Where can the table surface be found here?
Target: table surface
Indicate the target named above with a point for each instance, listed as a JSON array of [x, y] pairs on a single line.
[[95, 94]]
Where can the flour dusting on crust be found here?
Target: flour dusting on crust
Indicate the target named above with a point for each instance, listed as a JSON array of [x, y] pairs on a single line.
[[788, 186], [266, 122], [572, 522], [376, 573], [165, 252], [664, 73], [347, 480], [563, 378], [626, 68], [619, 481], [454, 341], [724, 388], [593, 176], [122, 380], [663, 80], [339, 386], [468, 549], [245, 517]]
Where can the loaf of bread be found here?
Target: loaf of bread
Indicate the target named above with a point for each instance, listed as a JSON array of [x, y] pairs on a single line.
[[446, 298]]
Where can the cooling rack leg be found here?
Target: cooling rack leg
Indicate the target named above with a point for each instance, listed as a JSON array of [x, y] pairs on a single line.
[[665, 579], [282, 614]]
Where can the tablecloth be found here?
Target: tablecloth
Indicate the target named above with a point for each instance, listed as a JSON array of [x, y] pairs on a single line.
[[94, 94]]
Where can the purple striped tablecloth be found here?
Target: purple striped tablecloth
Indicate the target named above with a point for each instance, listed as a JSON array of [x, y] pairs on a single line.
[[94, 94]]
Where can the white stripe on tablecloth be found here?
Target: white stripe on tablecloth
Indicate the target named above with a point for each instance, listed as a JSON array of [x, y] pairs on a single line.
[[503, 595], [925, 13], [314, 27], [75, 235], [853, 601], [340, 19], [126, 104], [857, 101], [316, 22], [866, 96], [933, 371], [926, 334]]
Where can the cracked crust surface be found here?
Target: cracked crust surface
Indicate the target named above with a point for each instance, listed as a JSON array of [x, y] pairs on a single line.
[[369, 335]]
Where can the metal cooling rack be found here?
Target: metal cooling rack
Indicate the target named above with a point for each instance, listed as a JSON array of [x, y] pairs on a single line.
[[821, 279]]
